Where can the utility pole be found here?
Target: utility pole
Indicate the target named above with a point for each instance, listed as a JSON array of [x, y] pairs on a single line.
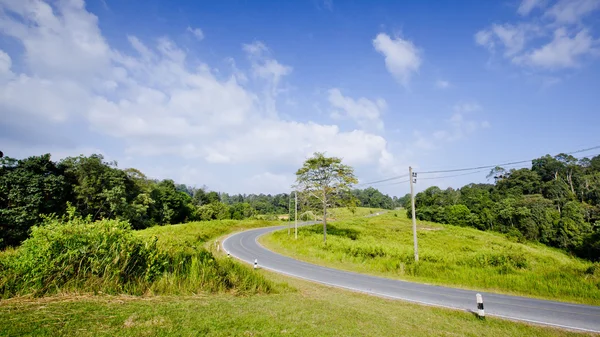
[[289, 213], [413, 179], [296, 213]]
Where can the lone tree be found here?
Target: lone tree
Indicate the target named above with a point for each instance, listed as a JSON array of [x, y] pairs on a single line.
[[327, 180]]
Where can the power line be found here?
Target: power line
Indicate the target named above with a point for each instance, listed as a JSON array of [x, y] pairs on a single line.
[[585, 150], [400, 182], [479, 168], [465, 174], [384, 180], [451, 176], [504, 164]]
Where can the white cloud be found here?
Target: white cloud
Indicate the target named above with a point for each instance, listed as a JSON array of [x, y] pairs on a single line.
[[562, 52], [55, 100], [155, 104], [61, 43], [466, 107], [283, 141], [267, 68], [255, 48], [512, 38], [485, 38], [269, 182], [442, 84], [458, 126], [527, 6], [5, 63], [572, 11], [554, 40], [402, 58], [364, 112], [197, 32]]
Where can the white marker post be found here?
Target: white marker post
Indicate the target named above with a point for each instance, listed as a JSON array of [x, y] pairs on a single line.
[[480, 311], [255, 263], [218, 246], [228, 255]]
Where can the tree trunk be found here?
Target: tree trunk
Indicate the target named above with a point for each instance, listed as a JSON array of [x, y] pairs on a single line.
[[324, 223], [570, 179]]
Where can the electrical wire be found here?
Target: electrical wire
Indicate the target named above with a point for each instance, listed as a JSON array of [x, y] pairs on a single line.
[[504, 164], [478, 168], [400, 182], [384, 180], [451, 176]]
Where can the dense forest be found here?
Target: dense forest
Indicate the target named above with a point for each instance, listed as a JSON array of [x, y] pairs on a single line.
[[556, 202], [37, 187]]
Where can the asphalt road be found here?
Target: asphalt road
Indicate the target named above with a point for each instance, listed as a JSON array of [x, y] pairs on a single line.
[[244, 246]]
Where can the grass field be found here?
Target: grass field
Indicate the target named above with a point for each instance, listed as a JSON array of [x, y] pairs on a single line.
[[199, 233], [345, 213], [449, 255], [297, 308], [312, 310]]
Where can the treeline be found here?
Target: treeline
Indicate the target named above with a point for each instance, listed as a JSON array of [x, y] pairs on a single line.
[[556, 202], [372, 197], [36, 187]]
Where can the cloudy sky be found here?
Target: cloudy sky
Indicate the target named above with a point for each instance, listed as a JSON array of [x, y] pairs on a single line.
[[235, 95]]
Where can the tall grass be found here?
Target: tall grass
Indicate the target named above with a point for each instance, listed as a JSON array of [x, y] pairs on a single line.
[[449, 255], [106, 256], [194, 235]]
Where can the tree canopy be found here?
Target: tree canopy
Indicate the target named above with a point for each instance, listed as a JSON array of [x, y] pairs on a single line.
[[36, 187], [327, 180]]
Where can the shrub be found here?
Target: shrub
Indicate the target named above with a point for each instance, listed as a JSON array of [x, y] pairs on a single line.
[[77, 251], [77, 254]]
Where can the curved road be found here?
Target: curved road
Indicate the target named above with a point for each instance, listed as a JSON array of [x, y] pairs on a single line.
[[244, 246]]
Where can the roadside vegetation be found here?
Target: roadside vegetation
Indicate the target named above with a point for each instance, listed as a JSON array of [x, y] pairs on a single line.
[[449, 255], [107, 256], [313, 310]]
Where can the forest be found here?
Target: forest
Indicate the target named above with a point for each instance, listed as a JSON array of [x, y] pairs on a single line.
[[555, 202], [36, 188]]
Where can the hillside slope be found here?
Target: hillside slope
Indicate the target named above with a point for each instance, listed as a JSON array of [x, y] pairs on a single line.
[[449, 255]]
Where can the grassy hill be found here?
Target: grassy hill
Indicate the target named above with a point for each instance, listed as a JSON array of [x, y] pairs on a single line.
[[449, 255], [294, 307]]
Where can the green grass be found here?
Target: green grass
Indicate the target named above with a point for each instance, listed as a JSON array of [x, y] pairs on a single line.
[[298, 308], [200, 233], [343, 213], [314, 310], [449, 255]]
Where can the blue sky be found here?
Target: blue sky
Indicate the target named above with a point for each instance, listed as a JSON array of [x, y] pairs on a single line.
[[234, 95]]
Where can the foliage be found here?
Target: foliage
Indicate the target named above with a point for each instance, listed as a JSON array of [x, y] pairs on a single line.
[[29, 188], [371, 197], [449, 255], [327, 180], [556, 202], [106, 256], [35, 187]]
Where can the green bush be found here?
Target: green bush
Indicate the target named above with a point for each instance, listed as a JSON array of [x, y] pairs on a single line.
[[77, 251], [106, 256]]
